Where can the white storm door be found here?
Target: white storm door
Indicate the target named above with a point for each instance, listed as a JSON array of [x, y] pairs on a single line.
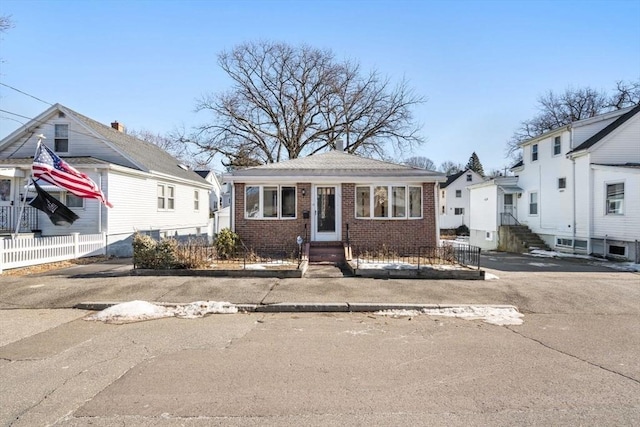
[[326, 213]]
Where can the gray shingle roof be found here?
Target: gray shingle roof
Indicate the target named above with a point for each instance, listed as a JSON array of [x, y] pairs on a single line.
[[149, 156], [607, 130], [336, 163]]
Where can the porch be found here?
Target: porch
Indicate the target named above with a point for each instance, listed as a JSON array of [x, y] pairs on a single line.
[[28, 220]]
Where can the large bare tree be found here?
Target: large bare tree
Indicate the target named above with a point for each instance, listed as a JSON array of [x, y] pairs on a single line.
[[420, 162], [291, 101], [556, 110]]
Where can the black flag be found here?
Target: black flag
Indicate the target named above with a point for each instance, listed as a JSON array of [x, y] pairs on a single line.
[[58, 213]]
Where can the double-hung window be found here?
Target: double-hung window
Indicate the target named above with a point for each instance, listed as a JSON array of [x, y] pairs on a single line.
[[196, 200], [534, 152], [166, 197], [269, 201], [562, 183], [533, 203], [61, 138], [557, 146], [615, 199], [388, 201]]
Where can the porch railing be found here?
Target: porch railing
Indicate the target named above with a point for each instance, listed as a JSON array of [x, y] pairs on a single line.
[[508, 219], [9, 216]]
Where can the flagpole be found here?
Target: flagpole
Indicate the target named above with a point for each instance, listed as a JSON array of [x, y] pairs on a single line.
[[24, 198]]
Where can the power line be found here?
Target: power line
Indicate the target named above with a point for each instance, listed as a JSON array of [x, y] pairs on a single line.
[[41, 123], [25, 93]]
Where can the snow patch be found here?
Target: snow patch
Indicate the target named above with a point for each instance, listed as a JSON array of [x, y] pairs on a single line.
[[137, 311], [493, 315], [621, 266]]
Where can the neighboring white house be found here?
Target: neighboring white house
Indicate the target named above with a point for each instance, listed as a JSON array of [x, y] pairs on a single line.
[[219, 200], [492, 203], [580, 186], [149, 189], [454, 198]]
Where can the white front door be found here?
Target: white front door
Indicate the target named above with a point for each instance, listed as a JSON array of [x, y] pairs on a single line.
[[326, 213]]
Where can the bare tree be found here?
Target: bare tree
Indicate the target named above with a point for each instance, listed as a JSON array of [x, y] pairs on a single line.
[[291, 101], [449, 168], [173, 146], [572, 105], [420, 162], [6, 23]]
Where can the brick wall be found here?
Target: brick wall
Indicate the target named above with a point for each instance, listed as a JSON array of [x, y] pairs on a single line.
[[261, 232], [370, 233]]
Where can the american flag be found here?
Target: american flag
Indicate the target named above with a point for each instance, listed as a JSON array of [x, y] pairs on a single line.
[[51, 168]]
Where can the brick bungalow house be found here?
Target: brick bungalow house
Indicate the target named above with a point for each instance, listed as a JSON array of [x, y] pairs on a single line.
[[335, 197]]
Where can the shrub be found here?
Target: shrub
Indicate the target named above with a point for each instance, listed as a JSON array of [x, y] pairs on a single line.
[[147, 253], [463, 230], [226, 243]]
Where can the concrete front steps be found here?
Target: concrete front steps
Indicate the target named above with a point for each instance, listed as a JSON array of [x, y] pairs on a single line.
[[520, 239], [326, 252], [326, 260]]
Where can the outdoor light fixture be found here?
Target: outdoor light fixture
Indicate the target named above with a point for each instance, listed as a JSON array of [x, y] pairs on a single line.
[[304, 192]]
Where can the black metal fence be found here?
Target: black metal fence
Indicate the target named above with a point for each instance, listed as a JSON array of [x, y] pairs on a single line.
[[200, 255], [9, 216], [419, 256]]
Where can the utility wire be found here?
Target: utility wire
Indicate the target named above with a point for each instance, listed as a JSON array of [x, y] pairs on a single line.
[[25, 93]]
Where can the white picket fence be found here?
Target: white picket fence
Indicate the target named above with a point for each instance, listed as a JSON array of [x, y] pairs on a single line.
[[26, 251]]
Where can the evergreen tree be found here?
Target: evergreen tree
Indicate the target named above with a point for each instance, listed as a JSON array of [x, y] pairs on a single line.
[[475, 165]]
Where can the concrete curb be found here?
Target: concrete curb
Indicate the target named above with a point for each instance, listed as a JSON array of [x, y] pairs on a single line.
[[309, 307]]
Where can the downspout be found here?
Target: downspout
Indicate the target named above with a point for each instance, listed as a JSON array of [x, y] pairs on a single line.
[[436, 195], [573, 195], [100, 205], [232, 207]]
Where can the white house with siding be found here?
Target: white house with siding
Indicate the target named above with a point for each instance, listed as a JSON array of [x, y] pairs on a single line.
[[491, 203], [454, 198], [150, 190], [580, 186]]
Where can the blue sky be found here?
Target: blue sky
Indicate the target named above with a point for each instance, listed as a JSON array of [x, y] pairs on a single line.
[[480, 64]]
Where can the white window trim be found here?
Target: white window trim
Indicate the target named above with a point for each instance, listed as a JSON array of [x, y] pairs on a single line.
[[196, 200], [606, 198], [537, 204], [55, 138], [389, 216], [535, 152], [279, 217], [166, 197], [62, 197], [553, 146]]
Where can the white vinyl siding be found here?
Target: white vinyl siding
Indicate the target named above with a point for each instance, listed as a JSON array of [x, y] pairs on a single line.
[[81, 144], [616, 226], [137, 210]]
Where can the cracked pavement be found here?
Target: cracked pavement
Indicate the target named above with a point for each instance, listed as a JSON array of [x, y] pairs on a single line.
[[573, 361]]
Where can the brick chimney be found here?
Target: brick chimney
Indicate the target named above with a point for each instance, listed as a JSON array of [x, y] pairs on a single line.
[[117, 126]]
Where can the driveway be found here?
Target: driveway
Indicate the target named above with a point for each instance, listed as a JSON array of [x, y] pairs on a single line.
[[503, 261]]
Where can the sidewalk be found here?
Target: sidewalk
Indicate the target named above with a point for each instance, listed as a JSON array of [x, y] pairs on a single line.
[[100, 285]]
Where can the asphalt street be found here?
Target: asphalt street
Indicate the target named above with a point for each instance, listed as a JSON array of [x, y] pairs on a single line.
[[572, 362]]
